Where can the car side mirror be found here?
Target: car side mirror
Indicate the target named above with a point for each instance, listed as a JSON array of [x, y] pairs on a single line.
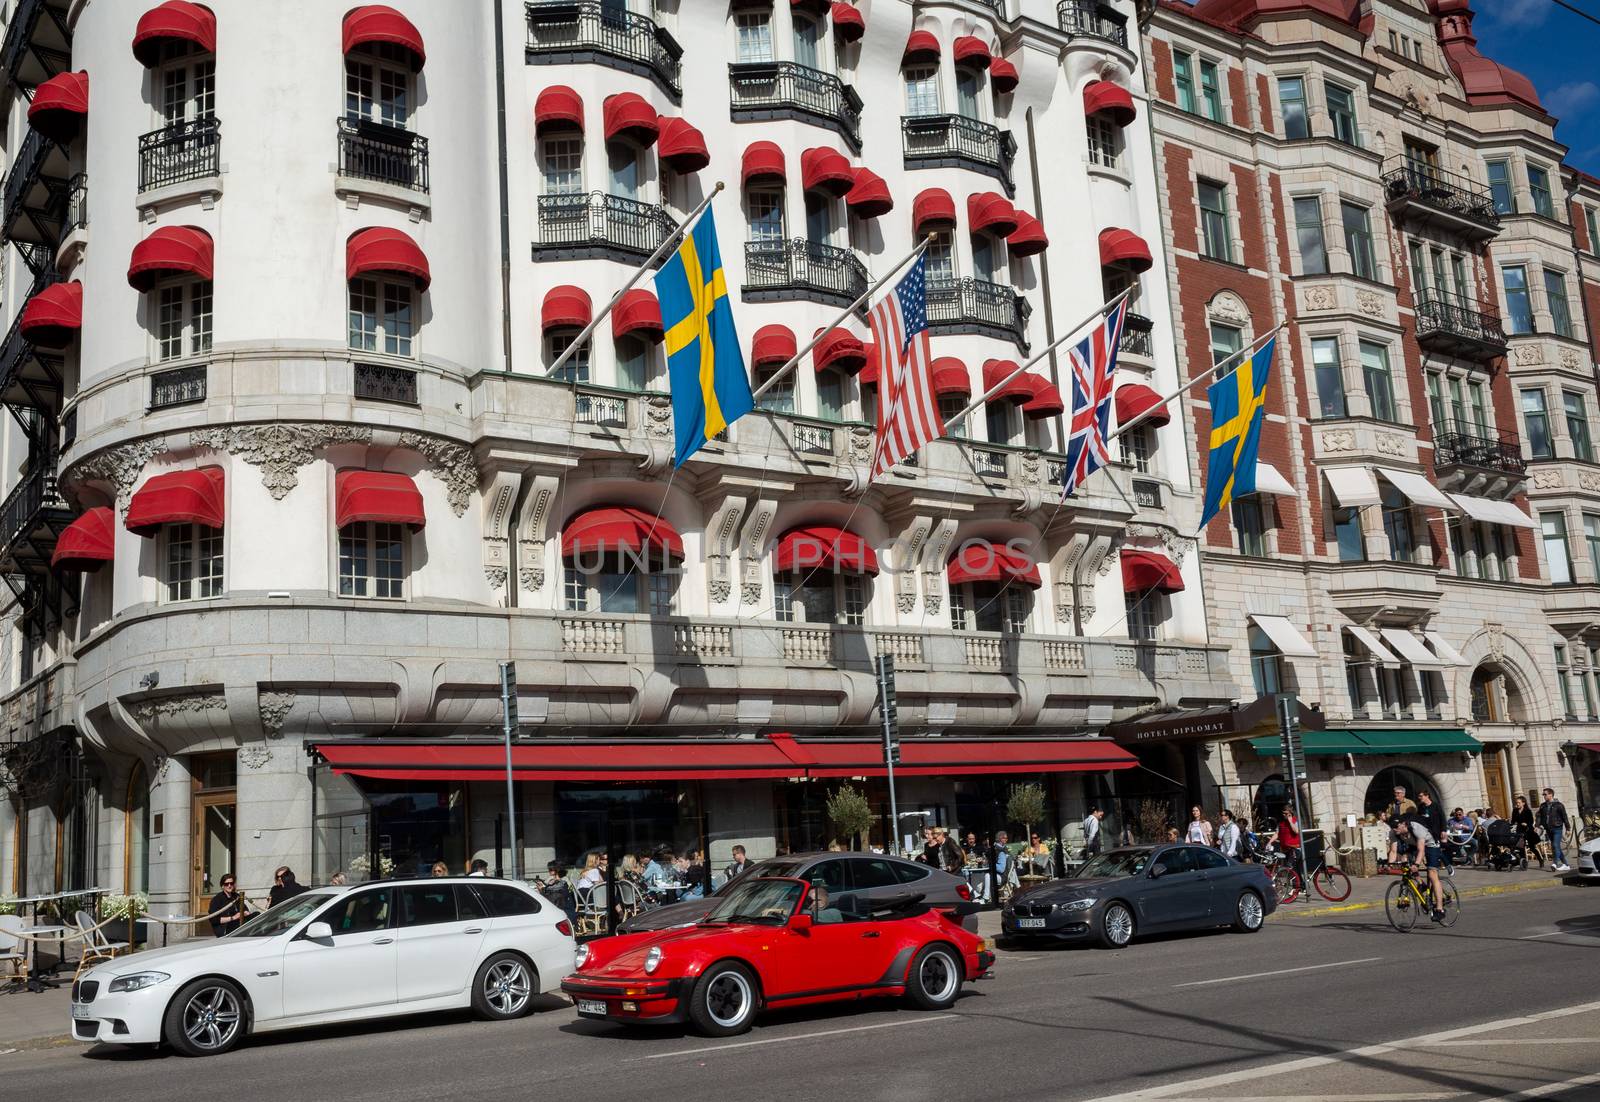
[[319, 931], [1157, 871], [801, 923]]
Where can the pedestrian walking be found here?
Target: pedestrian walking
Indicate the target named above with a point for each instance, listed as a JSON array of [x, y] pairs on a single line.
[[1200, 831], [284, 886], [1091, 832], [1553, 818], [228, 908], [930, 847], [1402, 808], [1430, 814], [1228, 835], [951, 859]]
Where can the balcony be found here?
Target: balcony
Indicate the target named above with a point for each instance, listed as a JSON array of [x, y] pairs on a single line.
[[564, 32], [955, 141], [785, 271], [1457, 327], [34, 207], [784, 90], [599, 225], [385, 383], [1425, 194], [1136, 336], [977, 306], [38, 43], [30, 378], [183, 153], [178, 386], [1087, 19], [383, 154], [32, 517], [1472, 459], [1147, 494]]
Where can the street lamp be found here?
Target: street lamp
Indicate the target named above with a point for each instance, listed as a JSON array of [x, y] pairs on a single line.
[[1570, 749]]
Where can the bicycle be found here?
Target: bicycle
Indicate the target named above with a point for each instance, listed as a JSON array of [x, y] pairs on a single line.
[[1411, 896], [1329, 880]]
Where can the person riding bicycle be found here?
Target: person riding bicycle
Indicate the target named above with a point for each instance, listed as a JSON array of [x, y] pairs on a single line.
[[1427, 856]]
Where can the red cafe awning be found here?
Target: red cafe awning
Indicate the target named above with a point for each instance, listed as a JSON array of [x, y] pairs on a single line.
[[848, 22], [377, 497], [945, 756], [950, 377], [822, 547], [1045, 399], [772, 344], [839, 349], [177, 497], [1110, 98], [52, 318], [921, 46], [869, 196], [824, 169], [970, 50], [619, 528], [1003, 76], [1118, 246], [170, 250], [377, 24], [1029, 236], [59, 106], [982, 561], [1017, 390], [637, 313], [381, 249], [991, 212], [176, 20], [88, 542], [1135, 398], [565, 306], [627, 115], [682, 146], [932, 205], [762, 160], [557, 106], [1143, 571]]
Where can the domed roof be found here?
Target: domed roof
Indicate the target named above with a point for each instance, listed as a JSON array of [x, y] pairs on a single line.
[[1484, 80]]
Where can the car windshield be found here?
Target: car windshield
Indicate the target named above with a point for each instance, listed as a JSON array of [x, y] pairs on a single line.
[[771, 901], [283, 917], [1121, 862]]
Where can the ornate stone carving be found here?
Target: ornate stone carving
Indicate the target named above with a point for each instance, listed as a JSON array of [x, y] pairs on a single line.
[[279, 449], [255, 756], [450, 462], [496, 576], [1391, 445], [905, 602], [1176, 545], [274, 706], [1369, 304], [1530, 353], [720, 589], [1548, 478], [177, 705], [1229, 307], [1496, 641], [658, 415], [1570, 359], [531, 574], [1032, 467], [860, 444], [1320, 298], [932, 601], [120, 466], [750, 591], [1338, 440], [1589, 480], [496, 560]]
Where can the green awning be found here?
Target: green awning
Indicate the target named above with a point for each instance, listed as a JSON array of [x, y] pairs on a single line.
[[1395, 741]]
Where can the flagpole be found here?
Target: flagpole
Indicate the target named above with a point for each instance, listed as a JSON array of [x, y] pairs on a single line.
[[1237, 357], [843, 315], [639, 273], [1108, 305]]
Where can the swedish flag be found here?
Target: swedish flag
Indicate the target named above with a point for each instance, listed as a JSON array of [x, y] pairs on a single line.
[[1237, 410], [710, 388]]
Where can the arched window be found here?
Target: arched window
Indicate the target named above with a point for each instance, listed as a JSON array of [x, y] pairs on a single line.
[[822, 575], [1486, 706], [136, 832], [1380, 793]]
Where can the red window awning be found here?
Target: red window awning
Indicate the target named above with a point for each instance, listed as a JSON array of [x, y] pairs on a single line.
[[557, 107], [1045, 399], [950, 377], [1134, 399], [932, 205], [1143, 571], [637, 314], [88, 542], [762, 161], [982, 561], [921, 46], [171, 250], [841, 350], [627, 115], [1111, 99], [822, 547], [377, 497], [824, 169], [773, 344], [59, 106], [1029, 236], [565, 307], [848, 22], [971, 50], [1003, 76], [52, 318], [381, 249], [1119, 246], [177, 497], [682, 146], [174, 21], [1592, 747], [869, 195], [991, 212], [1017, 390], [380, 24], [944, 756], [620, 528]]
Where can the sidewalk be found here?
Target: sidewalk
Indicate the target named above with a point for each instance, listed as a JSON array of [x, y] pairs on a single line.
[[1367, 893], [25, 1016]]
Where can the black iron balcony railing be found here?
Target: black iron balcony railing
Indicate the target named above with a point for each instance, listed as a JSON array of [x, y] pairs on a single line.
[[386, 383], [1459, 325], [1136, 339], [996, 6], [178, 386], [77, 204], [1407, 182], [27, 172], [802, 269], [38, 42], [1467, 445], [386, 154], [189, 150], [976, 306], [20, 512], [564, 31], [597, 224], [1089, 19], [1146, 494], [939, 141], [783, 89], [29, 379]]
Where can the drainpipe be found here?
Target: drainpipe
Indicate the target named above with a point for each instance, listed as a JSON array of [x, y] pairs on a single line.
[[505, 186]]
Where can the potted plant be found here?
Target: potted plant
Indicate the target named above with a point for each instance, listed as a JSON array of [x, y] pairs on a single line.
[[849, 811], [8, 905], [125, 912]]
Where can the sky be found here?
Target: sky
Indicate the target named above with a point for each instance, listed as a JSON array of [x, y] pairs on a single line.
[[1556, 49]]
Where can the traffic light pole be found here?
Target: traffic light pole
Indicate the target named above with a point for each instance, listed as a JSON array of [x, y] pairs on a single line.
[[891, 744], [1293, 758]]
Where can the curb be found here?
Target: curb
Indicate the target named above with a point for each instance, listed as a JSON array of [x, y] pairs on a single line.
[[1466, 893]]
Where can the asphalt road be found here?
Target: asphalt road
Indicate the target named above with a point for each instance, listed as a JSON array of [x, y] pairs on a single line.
[[1310, 1009]]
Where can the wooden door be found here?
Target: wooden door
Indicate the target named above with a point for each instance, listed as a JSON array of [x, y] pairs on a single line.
[[1494, 782], [212, 848]]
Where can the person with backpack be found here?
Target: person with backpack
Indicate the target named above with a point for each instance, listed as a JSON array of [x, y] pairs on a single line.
[[1553, 819]]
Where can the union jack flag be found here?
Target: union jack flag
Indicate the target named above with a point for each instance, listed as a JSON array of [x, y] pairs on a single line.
[[1093, 363]]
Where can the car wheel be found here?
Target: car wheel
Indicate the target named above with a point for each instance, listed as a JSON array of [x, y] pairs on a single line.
[[723, 1002], [207, 1018], [503, 988], [1248, 913], [1116, 926], [935, 978]]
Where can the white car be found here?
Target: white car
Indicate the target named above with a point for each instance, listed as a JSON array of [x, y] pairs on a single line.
[[1587, 866], [335, 955]]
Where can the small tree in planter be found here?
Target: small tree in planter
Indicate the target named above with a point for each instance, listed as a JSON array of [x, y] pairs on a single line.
[[1026, 806], [125, 911], [850, 813], [1152, 817]]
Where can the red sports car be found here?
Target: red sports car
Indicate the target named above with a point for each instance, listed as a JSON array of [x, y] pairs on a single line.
[[777, 941]]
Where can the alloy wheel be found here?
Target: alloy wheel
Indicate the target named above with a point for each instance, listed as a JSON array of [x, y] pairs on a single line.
[[506, 987], [211, 1018], [728, 999], [1249, 910], [1119, 924], [938, 976]]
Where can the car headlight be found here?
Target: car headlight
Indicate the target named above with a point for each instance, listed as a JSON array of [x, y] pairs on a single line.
[[138, 981], [1076, 904], [581, 957], [652, 959]]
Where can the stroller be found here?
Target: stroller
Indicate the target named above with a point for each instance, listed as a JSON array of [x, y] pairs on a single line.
[[1508, 849]]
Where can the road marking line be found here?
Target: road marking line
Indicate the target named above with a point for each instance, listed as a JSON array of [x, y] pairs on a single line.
[[1546, 1090], [1422, 1096], [1279, 972], [1478, 1042], [801, 1037], [1560, 933]]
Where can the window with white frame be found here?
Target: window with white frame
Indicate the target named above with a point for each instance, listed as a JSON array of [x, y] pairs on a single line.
[[1266, 663], [1147, 612], [622, 169], [372, 560], [1138, 446], [1105, 140], [183, 319], [193, 562], [808, 49], [576, 369], [941, 257], [830, 395], [620, 582], [819, 596], [754, 31], [990, 606], [967, 101], [922, 90], [949, 406], [779, 398], [1002, 419], [186, 84], [766, 213], [563, 165], [633, 363], [377, 85], [382, 316]]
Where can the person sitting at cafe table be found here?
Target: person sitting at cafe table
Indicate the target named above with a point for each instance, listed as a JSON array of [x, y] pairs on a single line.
[[659, 870], [228, 908]]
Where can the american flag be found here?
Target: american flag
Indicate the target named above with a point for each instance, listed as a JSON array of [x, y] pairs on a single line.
[[1094, 362], [908, 409]]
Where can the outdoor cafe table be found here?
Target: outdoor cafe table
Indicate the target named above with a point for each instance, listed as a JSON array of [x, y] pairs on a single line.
[[36, 978]]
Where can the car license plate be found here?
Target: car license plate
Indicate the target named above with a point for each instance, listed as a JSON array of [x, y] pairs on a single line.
[[1030, 923], [79, 1010], [593, 1007]]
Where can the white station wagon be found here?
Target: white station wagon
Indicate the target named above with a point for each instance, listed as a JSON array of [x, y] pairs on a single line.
[[335, 955]]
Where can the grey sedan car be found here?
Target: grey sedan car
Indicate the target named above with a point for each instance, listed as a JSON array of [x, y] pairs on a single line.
[[872, 875], [1143, 890]]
